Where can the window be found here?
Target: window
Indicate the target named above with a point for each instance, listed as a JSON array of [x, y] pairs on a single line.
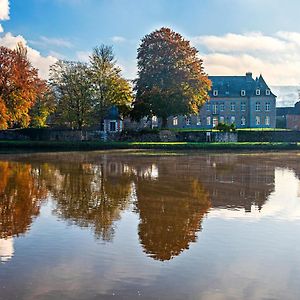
[[222, 119], [215, 108], [243, 93], [268, 92], [257, 120], [154, 122], [188, 121], [243, 121], [222, 106], [208, 121], [175, 121], [257, 106], [232, 119], [243, 106], [268, 106], [232, 106], [267, 120], [215, 93], [208, 107], [215, 121], [257, 92], [112, 126], [198, 120]]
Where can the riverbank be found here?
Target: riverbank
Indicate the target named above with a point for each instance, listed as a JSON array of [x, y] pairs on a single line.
[[8, 146]]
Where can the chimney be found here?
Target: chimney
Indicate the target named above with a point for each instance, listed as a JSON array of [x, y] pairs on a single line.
[[249, 75]]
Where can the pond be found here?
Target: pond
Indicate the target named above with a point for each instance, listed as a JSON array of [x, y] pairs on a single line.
[[147, 225]]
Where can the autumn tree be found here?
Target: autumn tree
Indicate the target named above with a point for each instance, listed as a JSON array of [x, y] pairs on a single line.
[[19, 87], [171, 79], [72, 88], [110, 88]]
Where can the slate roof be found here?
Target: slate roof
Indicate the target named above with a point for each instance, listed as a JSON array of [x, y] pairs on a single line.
[[284, 111], [112, 114], [231, 86]]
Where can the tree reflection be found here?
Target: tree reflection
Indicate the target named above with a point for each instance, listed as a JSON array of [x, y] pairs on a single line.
[[91, 195], [170, 214], [21, 194]]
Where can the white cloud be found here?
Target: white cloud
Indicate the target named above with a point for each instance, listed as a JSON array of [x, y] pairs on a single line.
[[277, 57], [42, 63], [4, 10], [56, 42], [118, 39], [83, 56]]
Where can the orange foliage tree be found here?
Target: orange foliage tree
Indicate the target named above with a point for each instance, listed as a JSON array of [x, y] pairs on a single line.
[[20, 86], [171, 79]]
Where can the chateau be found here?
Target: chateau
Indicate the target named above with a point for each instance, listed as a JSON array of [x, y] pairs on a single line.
[[240, 100]]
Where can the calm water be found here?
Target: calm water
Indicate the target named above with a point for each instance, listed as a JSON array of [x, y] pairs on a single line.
[[142, 226]]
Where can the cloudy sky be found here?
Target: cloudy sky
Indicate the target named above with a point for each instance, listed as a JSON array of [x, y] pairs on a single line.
[[232, 36]]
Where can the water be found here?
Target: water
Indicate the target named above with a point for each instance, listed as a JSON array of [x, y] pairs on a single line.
[[149, 226]]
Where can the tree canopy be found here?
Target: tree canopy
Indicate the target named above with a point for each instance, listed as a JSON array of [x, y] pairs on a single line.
[[171, 78], [85, 91], [73, 93], [20, 86]]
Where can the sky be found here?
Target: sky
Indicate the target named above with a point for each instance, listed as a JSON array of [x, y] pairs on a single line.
[[232, 36]]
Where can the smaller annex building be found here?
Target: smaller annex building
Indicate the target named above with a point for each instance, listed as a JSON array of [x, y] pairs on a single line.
[[288, 117], [112, 121], [240, 100]]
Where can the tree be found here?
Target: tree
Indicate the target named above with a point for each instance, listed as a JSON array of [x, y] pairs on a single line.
[[72, 88], [110, 88], [171, 78], [84, 92], [42, 108], [19, 87]]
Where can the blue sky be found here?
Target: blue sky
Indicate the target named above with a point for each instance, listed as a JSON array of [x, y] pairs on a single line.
[[232, 36]]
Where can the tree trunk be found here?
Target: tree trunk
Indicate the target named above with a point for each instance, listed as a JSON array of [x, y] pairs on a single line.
[[164, 122]]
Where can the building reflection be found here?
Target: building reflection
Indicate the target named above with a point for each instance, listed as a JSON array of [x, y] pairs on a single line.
[[6, 249]]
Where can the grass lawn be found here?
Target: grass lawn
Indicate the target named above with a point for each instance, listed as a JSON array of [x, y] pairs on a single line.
[[9, 146]]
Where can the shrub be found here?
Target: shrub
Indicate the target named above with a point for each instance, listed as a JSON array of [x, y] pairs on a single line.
[[225, 127]]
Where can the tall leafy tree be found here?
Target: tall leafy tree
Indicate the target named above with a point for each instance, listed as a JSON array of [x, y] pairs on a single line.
[[19, 87], [72, 88], [171, 79], [110, 88]]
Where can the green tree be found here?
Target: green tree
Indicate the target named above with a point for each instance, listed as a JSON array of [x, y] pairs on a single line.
[[72, 88], [171, 79], [110, 88], [42, 108]]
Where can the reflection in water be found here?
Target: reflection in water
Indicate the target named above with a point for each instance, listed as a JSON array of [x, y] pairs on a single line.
[[156, 205], [171, 194], [170, 214], [92, 195], [21, 194], [6, 249]]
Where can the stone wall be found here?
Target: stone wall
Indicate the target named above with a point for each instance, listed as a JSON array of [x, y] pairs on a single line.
[[269, 136]]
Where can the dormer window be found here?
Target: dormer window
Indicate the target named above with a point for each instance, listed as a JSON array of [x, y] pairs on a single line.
[[257, 92], [243, 93], [268, 92], [215, 93]]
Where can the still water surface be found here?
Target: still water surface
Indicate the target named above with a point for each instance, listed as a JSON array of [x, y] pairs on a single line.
[[149, 226]]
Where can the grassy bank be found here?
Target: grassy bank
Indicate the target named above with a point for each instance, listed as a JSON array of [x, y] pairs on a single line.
[[8, 146]]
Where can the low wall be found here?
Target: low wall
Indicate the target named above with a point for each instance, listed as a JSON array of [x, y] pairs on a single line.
[[269, 136], [150, 136]]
